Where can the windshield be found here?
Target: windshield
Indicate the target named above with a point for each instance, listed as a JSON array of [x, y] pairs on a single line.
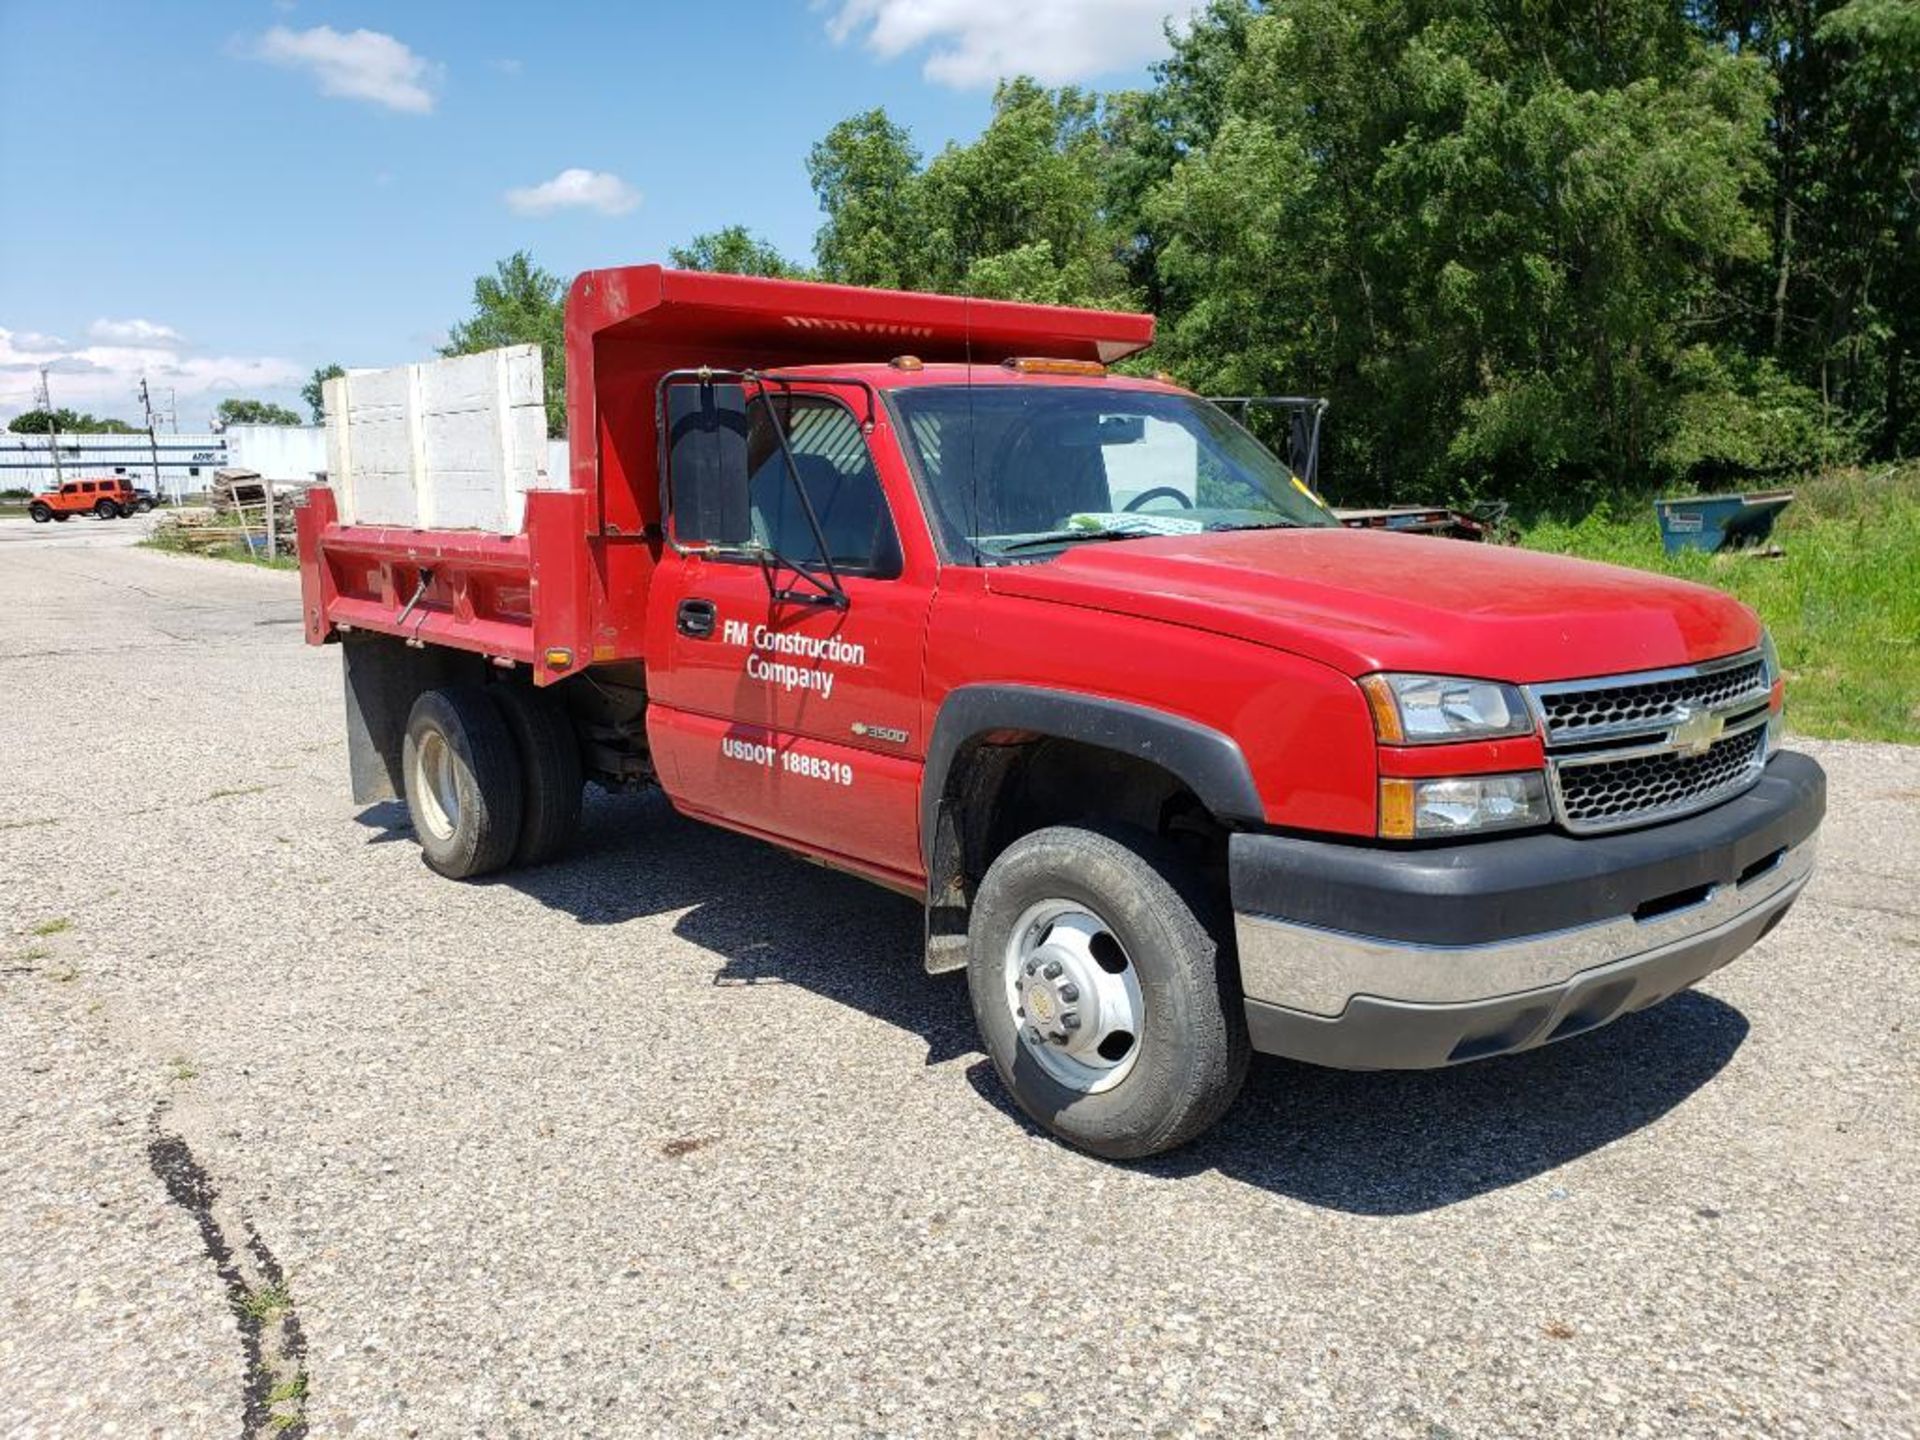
[[1024, 471]]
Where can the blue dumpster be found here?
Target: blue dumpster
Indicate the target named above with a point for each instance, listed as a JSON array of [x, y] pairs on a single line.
[[1719, 522]]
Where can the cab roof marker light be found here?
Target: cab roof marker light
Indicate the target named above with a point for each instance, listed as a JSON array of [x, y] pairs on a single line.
[[1043, 365], [911, 364]]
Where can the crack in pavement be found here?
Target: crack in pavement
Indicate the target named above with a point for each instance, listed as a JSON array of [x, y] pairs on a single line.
[[273, 1394]]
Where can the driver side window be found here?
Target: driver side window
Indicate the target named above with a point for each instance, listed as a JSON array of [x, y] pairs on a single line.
[[830, 454]]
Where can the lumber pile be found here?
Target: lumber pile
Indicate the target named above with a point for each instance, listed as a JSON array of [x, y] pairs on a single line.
[[242, 511]]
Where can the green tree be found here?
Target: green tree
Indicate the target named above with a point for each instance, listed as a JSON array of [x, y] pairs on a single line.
[[1018, 214], [314, 392], [520, 304], [865, 174], [67, 422], [252, 412], [1490, 238], [735, 250]]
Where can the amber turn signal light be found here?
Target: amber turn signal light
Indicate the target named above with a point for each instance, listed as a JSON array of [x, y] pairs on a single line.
[[1386, 711], [1041, 365]]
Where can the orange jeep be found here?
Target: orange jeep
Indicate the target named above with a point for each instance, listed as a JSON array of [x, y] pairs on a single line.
[[111, 498]]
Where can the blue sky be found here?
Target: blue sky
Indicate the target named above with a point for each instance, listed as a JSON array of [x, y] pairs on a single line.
[[224, 195]]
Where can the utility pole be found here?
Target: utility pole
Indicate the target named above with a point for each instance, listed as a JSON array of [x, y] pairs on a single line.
[[45, 400], [153, 445]]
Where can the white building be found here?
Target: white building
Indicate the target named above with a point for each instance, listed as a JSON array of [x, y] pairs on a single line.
[[279, 452], [169, 465]]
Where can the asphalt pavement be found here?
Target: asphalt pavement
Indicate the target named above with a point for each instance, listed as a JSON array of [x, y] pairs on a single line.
[[675, 1138]]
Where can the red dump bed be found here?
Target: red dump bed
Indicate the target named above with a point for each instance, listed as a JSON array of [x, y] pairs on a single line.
[[570, 590]]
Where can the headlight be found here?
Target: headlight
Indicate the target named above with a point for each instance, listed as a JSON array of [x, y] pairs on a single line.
[[1769, 656], [1461, 805], [1434, 709]]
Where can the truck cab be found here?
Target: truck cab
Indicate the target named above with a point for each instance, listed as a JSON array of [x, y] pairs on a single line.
[[921, 588]]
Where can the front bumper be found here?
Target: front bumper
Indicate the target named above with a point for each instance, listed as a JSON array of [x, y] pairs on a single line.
[[1364, 957]]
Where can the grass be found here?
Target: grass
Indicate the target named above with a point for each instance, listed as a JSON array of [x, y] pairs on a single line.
[[54, 926], [169, 539], [1843, 603], [268, 1301], [291, 1393]]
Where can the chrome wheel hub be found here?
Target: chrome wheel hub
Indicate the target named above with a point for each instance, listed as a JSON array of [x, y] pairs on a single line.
[[1074, 995], [434, 783]]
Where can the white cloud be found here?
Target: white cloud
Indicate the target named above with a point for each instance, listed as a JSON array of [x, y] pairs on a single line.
[[105, 378], [141, 333], [575, 189], [973, 43], [356, 65]]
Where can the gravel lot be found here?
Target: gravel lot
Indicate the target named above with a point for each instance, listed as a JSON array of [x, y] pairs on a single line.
[[675, 1138]]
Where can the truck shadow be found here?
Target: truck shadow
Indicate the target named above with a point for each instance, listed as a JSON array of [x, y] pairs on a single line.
[[1405, 1142], [1386, 1143]]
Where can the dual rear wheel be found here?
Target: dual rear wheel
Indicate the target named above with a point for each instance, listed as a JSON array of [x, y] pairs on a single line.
[[493, 777]]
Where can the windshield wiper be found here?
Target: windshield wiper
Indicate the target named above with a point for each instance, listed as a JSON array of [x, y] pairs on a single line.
[[1257, 525], [1069, 537]]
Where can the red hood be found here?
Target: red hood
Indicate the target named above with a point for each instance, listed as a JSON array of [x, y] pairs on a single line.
[[1364, 600]]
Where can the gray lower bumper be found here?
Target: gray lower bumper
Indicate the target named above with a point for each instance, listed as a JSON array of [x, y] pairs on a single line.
[[1369, 958], [1408, 1008]]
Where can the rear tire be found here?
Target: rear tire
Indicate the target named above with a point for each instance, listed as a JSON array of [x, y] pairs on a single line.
[[549, 753], [40, 514], [463, 781], [1136, 933], [106, 510]]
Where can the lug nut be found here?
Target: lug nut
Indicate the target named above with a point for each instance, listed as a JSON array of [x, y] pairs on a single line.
[[1071, 1020], [1054, 967], [1069, 992], [1032, 966]]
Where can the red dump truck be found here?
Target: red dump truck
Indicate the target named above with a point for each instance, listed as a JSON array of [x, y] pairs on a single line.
[[1181, 768]]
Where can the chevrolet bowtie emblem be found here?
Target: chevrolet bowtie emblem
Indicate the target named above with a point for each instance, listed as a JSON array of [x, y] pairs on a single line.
[[1697, 731]]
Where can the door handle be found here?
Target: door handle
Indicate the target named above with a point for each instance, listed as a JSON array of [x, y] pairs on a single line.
[[696, 618]]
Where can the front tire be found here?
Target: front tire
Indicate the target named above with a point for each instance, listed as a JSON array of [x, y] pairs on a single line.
[[1106, 1002], [463, 781], [39, 513]]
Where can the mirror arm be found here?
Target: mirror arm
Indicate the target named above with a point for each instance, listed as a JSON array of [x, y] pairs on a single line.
[[831, 587]]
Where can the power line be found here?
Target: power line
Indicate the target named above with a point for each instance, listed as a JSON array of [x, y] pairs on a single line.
[[45, 400]]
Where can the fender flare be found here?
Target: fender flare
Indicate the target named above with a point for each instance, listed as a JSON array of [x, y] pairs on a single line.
[[1207, 762]]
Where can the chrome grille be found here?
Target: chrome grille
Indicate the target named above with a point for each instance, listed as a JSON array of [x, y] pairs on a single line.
[[1574, 714], [1596, 793], [1634, 749]]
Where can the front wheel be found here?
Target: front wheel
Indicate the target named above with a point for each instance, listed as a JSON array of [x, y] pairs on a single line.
[[40, 514], [1107, 1003]]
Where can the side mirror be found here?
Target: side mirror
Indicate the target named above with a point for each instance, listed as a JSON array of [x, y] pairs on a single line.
[[707, 464]]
